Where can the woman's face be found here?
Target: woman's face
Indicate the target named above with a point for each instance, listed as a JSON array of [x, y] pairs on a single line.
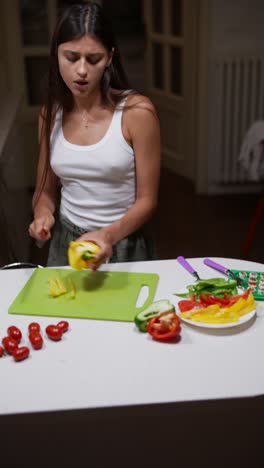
[[82, 63]]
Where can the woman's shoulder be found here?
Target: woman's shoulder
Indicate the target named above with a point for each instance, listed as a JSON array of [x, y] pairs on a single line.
[[133, 99], [139, 107], [136, 100]]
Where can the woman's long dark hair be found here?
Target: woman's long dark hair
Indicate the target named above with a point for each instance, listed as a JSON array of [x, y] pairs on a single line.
[[75, 22]]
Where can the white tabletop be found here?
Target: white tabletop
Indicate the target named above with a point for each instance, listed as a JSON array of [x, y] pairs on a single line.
[[106, 364]]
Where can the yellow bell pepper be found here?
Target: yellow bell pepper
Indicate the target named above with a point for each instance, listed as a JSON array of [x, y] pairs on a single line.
[[81, 254]]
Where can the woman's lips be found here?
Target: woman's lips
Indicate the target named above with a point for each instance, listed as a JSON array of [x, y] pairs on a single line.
[[80, 84]]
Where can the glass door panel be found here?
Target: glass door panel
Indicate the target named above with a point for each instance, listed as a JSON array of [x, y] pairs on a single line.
[[176, 70], [157, 16], [158, 65], [176, 8], [34, 22]]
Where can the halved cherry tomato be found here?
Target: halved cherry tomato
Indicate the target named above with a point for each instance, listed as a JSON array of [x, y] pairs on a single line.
[[10, 344], [21, 353], [36, 340], [165, 326], [1, 351], [63, 325], [187, 304], [54, 332], [34, 327], [15, 333]]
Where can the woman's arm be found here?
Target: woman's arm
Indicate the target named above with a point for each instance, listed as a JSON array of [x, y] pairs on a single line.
[[141, 129], [45, 196]]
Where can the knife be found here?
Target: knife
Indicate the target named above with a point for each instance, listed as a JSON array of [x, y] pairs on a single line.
[[188, 267], [224, 270]]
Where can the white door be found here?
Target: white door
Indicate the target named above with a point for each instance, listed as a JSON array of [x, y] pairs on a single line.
[[171, 68]]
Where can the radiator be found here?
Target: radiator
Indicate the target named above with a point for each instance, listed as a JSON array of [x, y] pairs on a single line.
[[238, 96]]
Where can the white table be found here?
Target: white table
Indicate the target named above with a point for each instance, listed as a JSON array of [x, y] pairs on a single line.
[[110, 365]]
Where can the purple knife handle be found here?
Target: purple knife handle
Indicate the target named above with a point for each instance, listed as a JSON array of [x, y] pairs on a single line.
[[185, 264], [215, 265]]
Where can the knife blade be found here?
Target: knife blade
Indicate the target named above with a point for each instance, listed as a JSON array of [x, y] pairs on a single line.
[[188, 266], [224, 270]]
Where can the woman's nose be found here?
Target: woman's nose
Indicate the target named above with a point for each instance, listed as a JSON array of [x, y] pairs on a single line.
[[82, 68]]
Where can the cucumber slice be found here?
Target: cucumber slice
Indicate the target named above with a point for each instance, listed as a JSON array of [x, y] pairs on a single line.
[[155, 308]]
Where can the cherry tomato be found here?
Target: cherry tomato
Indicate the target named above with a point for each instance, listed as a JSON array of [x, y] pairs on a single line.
[[15, 333], [36, 340], [10, 344], [63, 325], [1, 351], [21, 353], [34, 327], [54, 332]]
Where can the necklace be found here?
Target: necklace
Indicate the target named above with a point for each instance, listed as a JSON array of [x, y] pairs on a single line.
[[85, 119]]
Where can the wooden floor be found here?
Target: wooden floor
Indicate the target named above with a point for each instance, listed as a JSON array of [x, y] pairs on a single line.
[[184, 224]]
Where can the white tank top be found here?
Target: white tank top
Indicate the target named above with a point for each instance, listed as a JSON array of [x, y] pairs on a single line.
[[98, 181]]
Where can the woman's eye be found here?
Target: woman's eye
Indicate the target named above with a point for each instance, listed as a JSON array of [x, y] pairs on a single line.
[[93, 61], [71, 59]]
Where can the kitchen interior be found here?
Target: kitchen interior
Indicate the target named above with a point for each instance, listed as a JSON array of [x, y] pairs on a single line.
[[207, 200]]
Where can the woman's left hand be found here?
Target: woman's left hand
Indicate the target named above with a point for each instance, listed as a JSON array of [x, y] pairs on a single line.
[[103, 239]]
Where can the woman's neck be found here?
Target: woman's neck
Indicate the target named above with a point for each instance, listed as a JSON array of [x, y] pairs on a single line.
[[91, 102]]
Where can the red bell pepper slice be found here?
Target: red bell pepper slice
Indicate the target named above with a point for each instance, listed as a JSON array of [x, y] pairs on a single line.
[[226, 301], [164, 327], [234, 299], [187, 304], [209, 299]]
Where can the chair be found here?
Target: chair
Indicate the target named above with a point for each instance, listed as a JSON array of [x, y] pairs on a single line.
[[253, 225], [251, 158]]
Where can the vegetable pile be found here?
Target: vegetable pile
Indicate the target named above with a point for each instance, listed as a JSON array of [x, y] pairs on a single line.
[[216, 286], [215, 301]]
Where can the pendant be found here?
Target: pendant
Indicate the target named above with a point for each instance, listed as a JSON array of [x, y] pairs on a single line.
[[85, 120]]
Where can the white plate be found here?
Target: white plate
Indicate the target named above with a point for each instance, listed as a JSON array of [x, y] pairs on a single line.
[[243, 318]]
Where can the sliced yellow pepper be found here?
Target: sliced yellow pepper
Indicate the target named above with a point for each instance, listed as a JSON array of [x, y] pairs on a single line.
[[81, 254], [56, 287], [72, 288]]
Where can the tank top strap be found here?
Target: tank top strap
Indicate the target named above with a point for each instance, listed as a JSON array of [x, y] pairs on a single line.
[[117, 121], [57, 125]]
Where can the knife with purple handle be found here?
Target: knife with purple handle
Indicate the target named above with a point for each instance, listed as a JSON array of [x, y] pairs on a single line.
[[187, 266], [224, 270]]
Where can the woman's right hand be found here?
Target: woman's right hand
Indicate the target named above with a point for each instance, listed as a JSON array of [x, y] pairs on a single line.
[[40, 228]]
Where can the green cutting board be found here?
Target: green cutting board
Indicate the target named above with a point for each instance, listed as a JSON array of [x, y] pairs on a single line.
[[100, 295]]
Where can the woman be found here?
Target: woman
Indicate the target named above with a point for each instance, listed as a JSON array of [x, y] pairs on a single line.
[[99, 163]]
